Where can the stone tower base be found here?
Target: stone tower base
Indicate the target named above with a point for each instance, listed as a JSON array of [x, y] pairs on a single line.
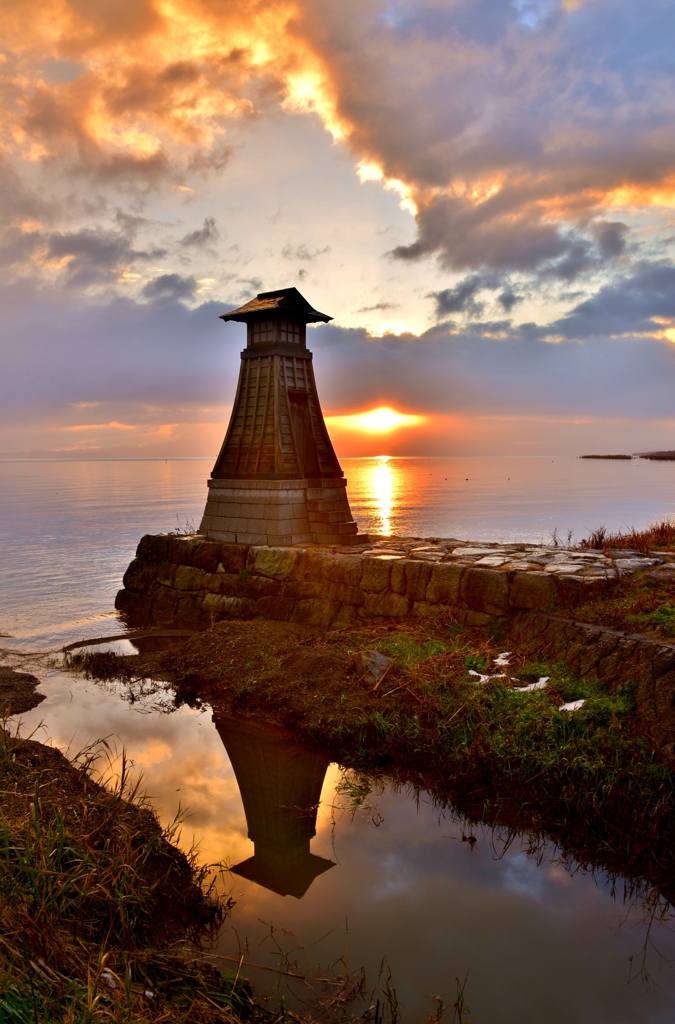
[[279, 512]]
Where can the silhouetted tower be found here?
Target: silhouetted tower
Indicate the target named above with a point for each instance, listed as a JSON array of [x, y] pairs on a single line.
[[280, 784], [277, 479]]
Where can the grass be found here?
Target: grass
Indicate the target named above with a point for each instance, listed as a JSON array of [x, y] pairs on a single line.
[[585, 779], [101, 917], [656, 537], [640, 603]]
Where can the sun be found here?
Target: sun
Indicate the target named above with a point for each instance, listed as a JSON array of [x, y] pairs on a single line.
[[376, 421]]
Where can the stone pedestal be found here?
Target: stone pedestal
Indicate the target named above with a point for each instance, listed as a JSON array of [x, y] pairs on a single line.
[[279, 512]]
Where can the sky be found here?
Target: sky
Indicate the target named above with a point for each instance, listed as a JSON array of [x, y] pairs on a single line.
[[481, 193]]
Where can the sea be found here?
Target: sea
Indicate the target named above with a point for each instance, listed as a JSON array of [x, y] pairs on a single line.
[[531, 938]]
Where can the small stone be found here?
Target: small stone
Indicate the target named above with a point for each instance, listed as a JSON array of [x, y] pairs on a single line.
[[371, 665]]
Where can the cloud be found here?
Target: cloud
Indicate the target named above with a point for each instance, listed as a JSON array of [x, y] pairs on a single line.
[[303, 252], [511, 132], [128, 356], [379, 306], [170, 288], [206, 235]]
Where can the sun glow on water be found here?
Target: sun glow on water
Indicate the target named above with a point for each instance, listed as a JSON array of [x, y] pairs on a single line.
[[383, 486]]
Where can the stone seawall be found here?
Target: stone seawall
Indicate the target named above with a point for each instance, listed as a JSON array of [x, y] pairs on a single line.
[[193, 579], [614, 657]]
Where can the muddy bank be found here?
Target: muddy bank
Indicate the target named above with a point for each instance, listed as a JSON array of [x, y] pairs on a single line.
[[102, 917], [18, 691]]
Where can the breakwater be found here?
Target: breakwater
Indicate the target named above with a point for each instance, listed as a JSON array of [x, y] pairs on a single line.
[[190, 578]]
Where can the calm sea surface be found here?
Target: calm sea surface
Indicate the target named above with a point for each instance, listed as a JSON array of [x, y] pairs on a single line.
[[542, 945]]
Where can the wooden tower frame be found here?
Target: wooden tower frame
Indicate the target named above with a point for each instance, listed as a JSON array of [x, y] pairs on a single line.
[[277, 479]]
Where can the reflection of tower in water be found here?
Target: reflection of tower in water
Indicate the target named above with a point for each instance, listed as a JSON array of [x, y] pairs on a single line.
[[280, 784]]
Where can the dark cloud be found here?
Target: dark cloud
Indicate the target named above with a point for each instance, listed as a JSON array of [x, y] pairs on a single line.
[[508, 299], [460, 299], [170, 288], [303, 252], [510, 123], [625, 307], [206, 235], [96, 255], [379, 307], [610, 237]]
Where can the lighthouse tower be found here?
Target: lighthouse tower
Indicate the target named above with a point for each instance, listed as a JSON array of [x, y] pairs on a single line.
[[277, 480]]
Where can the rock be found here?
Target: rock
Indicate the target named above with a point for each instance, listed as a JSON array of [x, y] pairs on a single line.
[[486, 591], [208, 555], [181, 549], [424, 610], [234, 607], [188, 578], [417, 576], [233, 557], [280, 608], [532, 590], [140, 576], [152, 548], [375, 575], [371, 666], [276, 563], [387, 604], [315, 612], [342, 569], [443, 587]]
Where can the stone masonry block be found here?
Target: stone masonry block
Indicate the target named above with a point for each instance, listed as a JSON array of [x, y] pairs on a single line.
[[207, 555], [181, 550], [316, 612], [277, 563], [343, 593], [251, 538], [164, 603], [532, 590], [234, 607], [417, 576], [300, 590], [226, 536], [165, 574], [486, 591], [275, 608], [375, 576], [309, 565], [424, 610], [233, 557], [152, 547], [397, 580], [443, 587], [188, 578], [387, 604], [139, 576], [132, 604], [342, 569]]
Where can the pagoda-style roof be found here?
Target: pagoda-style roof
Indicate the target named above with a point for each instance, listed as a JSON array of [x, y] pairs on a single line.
[[282, 301]]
